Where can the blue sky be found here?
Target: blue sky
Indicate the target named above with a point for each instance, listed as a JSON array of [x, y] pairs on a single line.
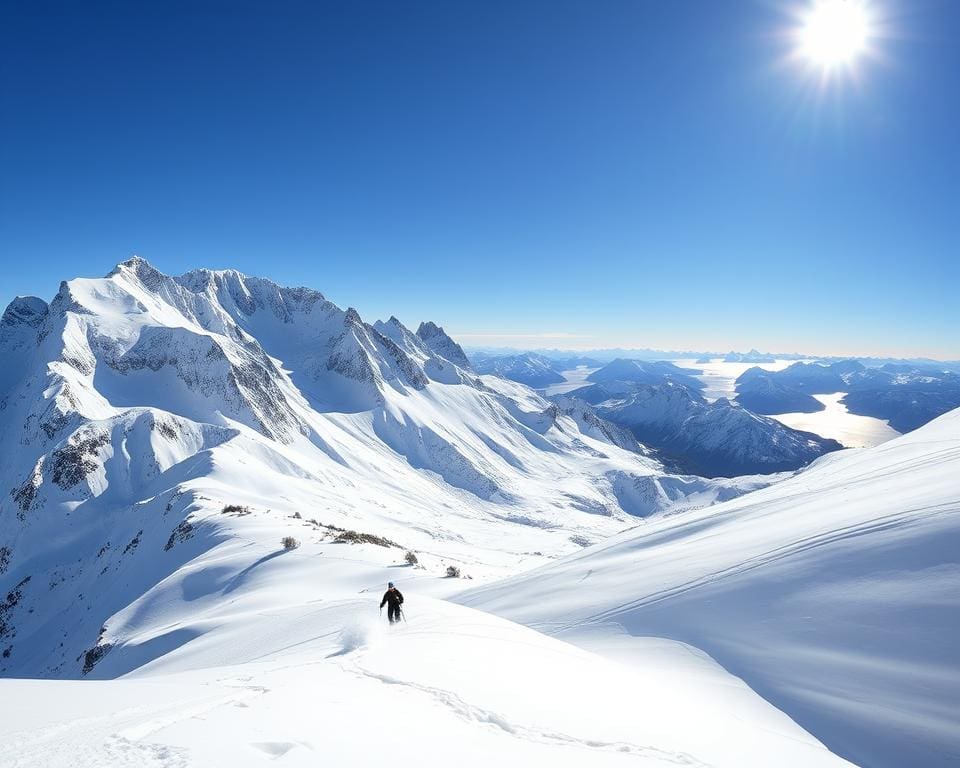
[[558, 174]]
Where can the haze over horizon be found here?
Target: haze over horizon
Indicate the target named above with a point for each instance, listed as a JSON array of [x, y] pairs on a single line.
[[646, 176], [572, 342]]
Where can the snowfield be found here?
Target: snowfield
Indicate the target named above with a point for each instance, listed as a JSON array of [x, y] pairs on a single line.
[[160, 436], [835, 594], [274, 672]]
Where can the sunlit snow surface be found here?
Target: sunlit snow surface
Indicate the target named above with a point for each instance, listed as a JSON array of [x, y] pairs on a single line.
[[835, 594], [326, 683]]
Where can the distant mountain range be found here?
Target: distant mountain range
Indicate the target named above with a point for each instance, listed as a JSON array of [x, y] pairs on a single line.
[[604, 355], [718, 439], [661, 405], [601, 356], [905, 395], [748, 357], [646, 372]]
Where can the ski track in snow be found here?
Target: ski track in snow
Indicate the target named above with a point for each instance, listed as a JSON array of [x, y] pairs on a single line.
[[117, 739], [477, 714]]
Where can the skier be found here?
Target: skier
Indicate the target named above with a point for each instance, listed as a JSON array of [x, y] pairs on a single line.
[[392, 597]]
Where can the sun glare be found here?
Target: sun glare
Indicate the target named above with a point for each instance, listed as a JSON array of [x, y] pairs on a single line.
[[833, 33]]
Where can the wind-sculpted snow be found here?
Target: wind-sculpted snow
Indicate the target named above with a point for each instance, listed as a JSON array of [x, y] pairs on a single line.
[[835, 594]]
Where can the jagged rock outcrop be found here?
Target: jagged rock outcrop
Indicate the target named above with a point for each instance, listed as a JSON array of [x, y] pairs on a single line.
[[437, 340]]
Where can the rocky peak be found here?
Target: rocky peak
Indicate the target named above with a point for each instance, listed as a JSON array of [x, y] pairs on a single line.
[[441, 344], [142, 269]]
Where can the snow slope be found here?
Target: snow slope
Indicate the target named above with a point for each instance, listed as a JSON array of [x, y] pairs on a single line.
[[835, 594], [287, 660]]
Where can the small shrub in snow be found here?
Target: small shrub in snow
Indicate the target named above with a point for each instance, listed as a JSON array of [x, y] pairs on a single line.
[[453, 572], [297, 516], [236, 509], [289, 542], [134, 542], [410, 558], [355, 537]]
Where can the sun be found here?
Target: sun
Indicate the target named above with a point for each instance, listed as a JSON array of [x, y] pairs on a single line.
[[834, 33]]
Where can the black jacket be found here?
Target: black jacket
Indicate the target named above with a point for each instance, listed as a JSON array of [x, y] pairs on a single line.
[[393, 597]]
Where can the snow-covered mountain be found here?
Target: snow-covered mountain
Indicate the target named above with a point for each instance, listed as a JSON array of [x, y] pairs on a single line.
[[590, 423], [646, 372], [753, 356], [140, 411], [161, 435], [764, 394], [835, 594], [707, 438], [528, 368]]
